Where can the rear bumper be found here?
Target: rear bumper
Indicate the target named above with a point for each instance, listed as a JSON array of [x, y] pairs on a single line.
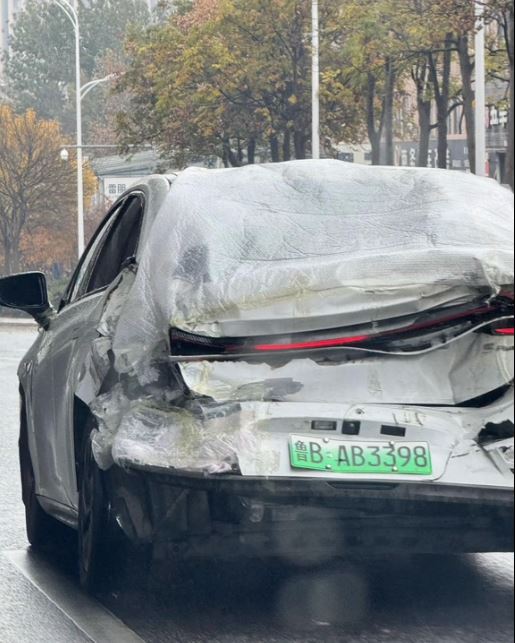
[[227, 515]]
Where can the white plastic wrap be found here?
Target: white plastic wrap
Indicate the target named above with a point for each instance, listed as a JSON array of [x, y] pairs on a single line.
[[305, 245], [109, 410], [178, 438], [285, 248]]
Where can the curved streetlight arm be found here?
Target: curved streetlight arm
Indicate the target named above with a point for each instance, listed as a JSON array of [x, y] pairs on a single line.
[[70, 12], [81, 91], [85, 89]]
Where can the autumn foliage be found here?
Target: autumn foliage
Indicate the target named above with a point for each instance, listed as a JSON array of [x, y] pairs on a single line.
[[37, 194], [232, 78]]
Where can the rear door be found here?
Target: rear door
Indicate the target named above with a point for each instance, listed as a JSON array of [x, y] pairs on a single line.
[[66, 344]]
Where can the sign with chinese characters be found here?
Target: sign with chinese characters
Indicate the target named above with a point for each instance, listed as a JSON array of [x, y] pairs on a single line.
[[115, 186], [496, 117], [457, 155]]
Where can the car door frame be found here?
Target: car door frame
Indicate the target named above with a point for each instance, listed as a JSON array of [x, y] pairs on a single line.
[[63, 504], [104, 227]]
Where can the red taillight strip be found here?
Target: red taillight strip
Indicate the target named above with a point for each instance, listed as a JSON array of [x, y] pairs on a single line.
[[324, 343], [505, 331], [238, 347], [345, 341]]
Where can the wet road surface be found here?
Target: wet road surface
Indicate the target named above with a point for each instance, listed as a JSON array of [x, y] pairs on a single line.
[[401, 599]]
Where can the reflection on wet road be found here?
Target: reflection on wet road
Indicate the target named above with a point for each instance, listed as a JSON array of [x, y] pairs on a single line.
[[420, 599], [404, 599]]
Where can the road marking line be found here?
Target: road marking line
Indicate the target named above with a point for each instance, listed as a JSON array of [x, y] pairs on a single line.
[[87, 614]]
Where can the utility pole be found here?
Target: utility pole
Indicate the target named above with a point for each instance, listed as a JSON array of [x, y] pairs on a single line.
[[480, 91], [71, 12], [81, 91], [316, 80], [80, 179]]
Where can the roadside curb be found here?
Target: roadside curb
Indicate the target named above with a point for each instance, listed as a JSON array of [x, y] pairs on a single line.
[[13, 321]]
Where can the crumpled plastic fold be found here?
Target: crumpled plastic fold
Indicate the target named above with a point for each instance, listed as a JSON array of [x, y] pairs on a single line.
[[312, 245], [143, 432]]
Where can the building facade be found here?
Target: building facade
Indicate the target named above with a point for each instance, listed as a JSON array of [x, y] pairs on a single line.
[[407, 148], [496, 126], [497, 131], [117, 174]]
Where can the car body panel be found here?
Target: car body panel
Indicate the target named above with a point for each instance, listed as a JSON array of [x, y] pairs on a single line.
[[263, 448], [50, 373], [55, 368], [467, 368]]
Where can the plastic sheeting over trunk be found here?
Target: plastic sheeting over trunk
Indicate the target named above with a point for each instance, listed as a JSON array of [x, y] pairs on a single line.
[[310, 245], [296, 247]]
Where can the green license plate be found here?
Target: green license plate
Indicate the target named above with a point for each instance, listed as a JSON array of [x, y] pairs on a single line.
[[346, 456]]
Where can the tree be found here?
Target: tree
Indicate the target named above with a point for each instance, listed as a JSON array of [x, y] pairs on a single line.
[[434, 36], [231, 78], [376, 67], [420, 77], [461, 25], [40, 67], [37, 190], [102, 122], [440, 74], [467, 65]]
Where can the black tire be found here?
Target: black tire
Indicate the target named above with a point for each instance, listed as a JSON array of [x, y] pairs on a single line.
[[94, 559], [44, 533], [106, 557]]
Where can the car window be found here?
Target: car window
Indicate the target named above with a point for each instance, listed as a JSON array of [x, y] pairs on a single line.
[[120, 243], [86, 278], [81, 274]]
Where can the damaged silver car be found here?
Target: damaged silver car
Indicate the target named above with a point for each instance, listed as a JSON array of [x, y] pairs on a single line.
[[301, 361]]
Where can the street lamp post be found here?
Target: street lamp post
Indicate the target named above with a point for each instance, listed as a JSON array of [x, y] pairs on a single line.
[[80, 93], [480, 91], [316, 79], [73, 17]]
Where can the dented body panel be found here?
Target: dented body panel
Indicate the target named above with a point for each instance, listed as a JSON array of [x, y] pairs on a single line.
[[254, 439], [465, 370]]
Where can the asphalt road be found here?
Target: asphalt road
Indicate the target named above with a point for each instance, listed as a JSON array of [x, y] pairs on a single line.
[[411, 599]]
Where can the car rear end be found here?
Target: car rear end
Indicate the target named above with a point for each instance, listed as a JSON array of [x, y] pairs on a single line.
[[317, 357], [387, 437]]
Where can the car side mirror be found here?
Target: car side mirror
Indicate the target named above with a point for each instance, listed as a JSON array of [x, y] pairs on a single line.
[[27, 292]]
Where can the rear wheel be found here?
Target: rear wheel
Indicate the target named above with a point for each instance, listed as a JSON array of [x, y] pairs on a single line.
[[43, 532], [94, 561], [106, 557]]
